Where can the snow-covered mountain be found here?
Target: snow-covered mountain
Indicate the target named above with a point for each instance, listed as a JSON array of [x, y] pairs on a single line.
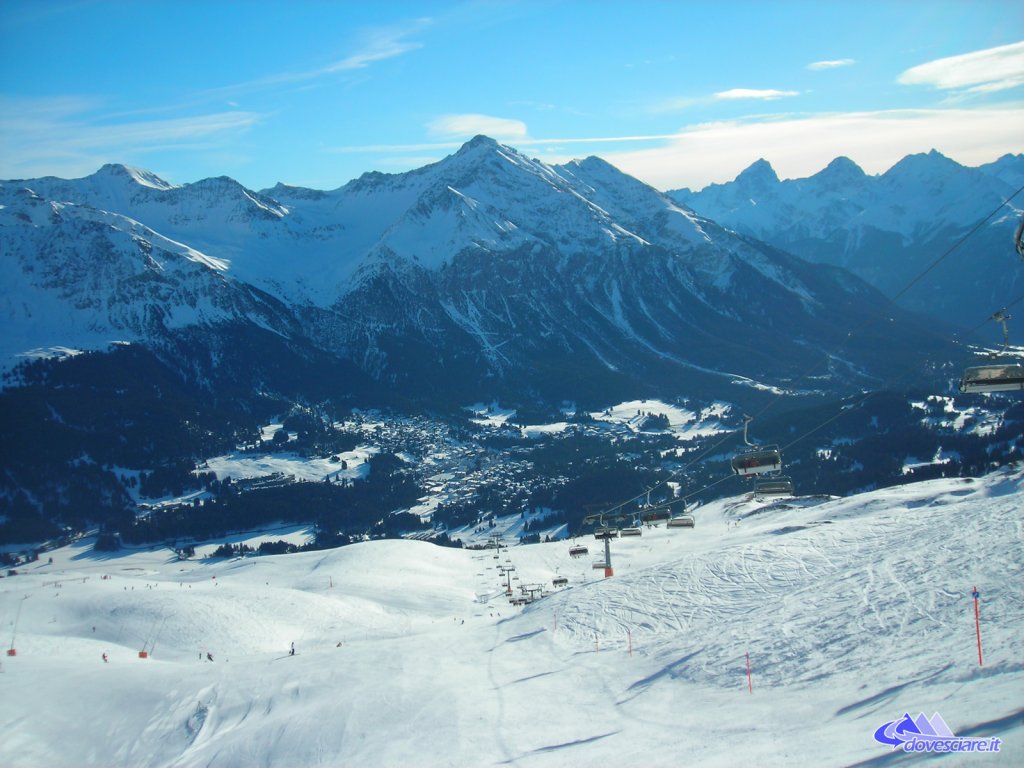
[[889, 228], [486, 266], [77, 276], [769, 634]]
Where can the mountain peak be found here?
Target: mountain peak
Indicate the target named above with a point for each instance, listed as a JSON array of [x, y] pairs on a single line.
[[845, 165], [841, 170], [137, 175], [478, 143], [759, 174], [924, 164]]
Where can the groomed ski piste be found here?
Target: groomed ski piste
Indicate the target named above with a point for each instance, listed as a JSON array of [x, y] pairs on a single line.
[[853, 611]]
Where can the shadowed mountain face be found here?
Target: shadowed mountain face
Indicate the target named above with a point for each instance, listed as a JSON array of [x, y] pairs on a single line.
[[485, 272]]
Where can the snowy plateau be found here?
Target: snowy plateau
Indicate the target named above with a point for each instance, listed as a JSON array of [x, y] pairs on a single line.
[[852, 612]]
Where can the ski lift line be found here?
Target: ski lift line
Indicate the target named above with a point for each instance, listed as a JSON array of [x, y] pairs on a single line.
[[920, 276], [957, 244], [899, 376], [1002, 312], [703, 454], [722, 479], [869, 321], [674, 475], [850, 335]]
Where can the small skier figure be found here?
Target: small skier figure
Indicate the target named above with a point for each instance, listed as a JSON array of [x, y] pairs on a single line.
[[209, 657], [105, 659], [292, 651]]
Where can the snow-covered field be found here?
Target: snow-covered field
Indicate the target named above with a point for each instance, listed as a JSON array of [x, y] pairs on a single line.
[[853, 612]]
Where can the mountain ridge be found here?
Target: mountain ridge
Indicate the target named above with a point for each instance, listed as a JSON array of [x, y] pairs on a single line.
[[489, 265], [888, 228]]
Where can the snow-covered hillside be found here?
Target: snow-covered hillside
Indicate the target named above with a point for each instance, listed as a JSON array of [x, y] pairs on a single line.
[[853, 611]]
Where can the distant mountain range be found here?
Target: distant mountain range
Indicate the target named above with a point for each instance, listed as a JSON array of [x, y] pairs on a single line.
[[888, 229], [214, 310], [487, 272]]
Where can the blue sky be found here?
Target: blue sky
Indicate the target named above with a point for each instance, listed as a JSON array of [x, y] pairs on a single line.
[[676, 93]]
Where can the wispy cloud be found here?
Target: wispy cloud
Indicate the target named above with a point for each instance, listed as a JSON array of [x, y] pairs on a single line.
[[992, 69], [381, 44], [469, 125], [377, 45], [69, 135], [753, 93], [831, 64]]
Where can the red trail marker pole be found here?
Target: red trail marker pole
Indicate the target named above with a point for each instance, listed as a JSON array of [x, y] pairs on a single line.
[[977, 623], [750, 682]]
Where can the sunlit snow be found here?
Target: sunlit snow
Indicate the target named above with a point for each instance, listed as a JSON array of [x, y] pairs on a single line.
[[853, 611]]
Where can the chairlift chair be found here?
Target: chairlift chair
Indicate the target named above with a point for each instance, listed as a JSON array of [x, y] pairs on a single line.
[[756, 459], [777, 485], [995, 377], [681, 521], [655, 514]]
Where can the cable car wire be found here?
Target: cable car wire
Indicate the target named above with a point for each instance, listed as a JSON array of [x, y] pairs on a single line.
[[849, 335]]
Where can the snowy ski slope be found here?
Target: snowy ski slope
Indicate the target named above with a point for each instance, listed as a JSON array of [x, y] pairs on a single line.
[[853, 611]]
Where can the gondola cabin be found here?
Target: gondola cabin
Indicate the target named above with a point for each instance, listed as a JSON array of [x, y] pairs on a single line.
[[773, 486], [993, 378], [757, 460], [681, 521]]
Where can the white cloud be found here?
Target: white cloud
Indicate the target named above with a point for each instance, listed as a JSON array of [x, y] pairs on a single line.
[[796, 145], [989, 70], [800, 146], [752, 93], [469, 125], [831, 64]]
